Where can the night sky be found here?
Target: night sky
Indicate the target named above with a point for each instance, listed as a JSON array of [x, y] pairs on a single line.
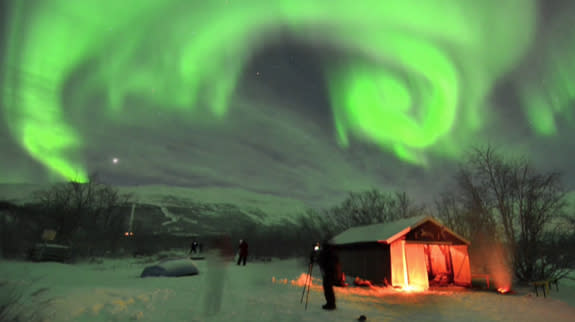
[[294, 98]]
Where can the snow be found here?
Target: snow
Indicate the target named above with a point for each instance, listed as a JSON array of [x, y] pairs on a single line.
[[276, 208], [111, 290], [375, 232]]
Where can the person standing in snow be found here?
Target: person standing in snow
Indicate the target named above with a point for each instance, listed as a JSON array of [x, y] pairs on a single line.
[[329, 265], [194, 247], [243, 252]]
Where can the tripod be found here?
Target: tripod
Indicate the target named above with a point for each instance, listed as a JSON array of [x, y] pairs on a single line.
[[307, 285]]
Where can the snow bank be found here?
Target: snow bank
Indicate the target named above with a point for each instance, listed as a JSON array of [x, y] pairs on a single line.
[[172, 268], [113, 291]]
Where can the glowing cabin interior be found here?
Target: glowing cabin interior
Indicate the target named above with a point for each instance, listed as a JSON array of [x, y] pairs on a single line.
[[413, 253]]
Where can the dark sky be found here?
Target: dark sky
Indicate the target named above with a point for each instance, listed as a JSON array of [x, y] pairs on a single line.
[[84, 85]]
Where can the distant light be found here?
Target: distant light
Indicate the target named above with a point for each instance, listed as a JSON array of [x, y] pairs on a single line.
[[115, 160]]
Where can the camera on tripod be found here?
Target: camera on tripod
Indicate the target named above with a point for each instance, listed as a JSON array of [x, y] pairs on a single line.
[[314, 254]]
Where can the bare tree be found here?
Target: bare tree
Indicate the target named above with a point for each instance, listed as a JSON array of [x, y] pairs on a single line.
[[507, 195], [72, 205], [369, 207], [404, 207], [559, 246], [453, 214]]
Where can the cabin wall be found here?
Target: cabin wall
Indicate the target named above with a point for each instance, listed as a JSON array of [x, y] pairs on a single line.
[[415, 261], [429, 250], [461, 268], [397, 263], [369, 261]]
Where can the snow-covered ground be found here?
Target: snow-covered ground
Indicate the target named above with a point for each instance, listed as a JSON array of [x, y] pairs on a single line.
[[113, 291]]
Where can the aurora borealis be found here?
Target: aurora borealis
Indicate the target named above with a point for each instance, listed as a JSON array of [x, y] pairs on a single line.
[[296, 98]]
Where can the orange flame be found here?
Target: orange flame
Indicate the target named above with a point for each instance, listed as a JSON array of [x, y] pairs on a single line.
[[412, 289], [503, 290], [492, 257], [301, 280], [500, 269]]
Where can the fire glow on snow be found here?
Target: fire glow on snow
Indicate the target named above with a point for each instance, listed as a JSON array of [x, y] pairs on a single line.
[[315, 284], [112, 291]]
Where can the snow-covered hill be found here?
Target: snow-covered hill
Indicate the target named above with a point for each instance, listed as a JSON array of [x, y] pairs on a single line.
[[255, 205], [180, 207], [165, 208]]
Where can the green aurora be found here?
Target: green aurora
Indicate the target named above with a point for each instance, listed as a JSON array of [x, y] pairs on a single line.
[[416, 78]]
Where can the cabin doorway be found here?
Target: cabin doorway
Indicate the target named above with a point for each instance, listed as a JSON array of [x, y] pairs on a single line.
[[439, 264]]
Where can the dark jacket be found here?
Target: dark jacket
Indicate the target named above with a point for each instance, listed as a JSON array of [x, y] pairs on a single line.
[[243, 249], [329, 264]]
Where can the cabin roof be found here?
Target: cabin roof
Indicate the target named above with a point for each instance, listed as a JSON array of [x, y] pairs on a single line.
[[388, 232]]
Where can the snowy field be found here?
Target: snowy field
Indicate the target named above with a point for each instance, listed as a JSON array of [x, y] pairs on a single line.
[[112, 290]]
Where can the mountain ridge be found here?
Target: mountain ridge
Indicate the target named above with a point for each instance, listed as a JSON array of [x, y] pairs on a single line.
[[183, 202]]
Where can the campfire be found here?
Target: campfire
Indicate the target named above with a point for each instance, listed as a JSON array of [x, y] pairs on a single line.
[[504, 290]]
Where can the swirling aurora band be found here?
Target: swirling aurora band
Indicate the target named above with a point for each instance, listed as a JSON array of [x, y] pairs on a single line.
[[417, 70]]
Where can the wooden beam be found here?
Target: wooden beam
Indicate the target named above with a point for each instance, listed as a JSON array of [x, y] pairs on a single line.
[[429, 242]]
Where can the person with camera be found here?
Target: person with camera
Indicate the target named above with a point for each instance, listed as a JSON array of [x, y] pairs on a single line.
[[329, 265]]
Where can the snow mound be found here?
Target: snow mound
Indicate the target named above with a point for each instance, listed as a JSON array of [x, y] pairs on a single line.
[[171, 268]]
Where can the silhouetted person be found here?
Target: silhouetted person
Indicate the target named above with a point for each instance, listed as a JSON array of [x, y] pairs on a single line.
[[329, 265], [218, 256], [194, 247], [243, 252]]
